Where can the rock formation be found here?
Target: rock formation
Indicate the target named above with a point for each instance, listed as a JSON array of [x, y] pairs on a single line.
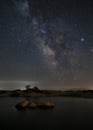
[[35, 105]]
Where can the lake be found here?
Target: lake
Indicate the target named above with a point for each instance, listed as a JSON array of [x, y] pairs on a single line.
[[69, 113]]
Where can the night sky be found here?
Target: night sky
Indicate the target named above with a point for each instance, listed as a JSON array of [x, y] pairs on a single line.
[[48, 43]]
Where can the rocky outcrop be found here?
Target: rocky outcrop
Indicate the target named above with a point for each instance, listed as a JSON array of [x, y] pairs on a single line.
[[46, 105], [35, 105], [23, 104]]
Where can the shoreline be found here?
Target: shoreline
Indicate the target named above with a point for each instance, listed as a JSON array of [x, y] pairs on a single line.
[[46, 93]]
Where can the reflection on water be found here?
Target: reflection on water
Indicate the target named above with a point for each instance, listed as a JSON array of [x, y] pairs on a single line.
[[69, 113]]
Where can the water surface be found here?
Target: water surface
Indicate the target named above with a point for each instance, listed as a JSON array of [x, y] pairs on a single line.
[[69, 113]]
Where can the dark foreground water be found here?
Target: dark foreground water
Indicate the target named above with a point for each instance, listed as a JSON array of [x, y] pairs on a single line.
[[69, 114]]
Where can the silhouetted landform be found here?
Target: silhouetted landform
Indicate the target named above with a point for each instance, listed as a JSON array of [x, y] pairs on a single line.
[[34, 92], [25, 104]]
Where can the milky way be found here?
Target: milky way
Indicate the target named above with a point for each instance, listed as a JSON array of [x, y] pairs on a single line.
[[47, 42]]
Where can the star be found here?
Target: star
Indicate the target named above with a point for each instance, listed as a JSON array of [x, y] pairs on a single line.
[[82, 39], [20, 40], [91, 50]]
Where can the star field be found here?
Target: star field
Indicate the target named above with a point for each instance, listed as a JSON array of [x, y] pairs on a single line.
[[46, 42]]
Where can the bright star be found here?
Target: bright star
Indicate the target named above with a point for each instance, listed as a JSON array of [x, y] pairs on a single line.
[[82, 39]]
